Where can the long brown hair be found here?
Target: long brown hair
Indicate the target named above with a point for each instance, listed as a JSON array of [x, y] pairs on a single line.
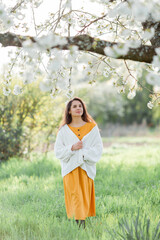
[[67, 118]]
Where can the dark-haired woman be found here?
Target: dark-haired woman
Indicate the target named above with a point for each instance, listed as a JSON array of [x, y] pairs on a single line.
[[78, 146]]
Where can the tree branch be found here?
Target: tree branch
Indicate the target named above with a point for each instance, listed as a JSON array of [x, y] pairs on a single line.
[[16, 6], [144, 53]]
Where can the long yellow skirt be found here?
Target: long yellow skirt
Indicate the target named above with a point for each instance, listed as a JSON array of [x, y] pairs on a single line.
[[79, 194]]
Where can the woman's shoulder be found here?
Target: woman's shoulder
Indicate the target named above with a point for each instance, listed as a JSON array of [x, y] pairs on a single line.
[[92, 124], [62, 128]]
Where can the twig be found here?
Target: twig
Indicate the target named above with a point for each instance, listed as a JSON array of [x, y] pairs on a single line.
[[34, 21], [95, 20], [130, 74], [16, 6], [59, 15]]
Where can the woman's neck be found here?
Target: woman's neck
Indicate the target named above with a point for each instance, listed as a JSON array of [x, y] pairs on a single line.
[[77, 122]]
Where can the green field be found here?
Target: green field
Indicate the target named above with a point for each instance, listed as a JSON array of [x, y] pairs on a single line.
[[128, 180]]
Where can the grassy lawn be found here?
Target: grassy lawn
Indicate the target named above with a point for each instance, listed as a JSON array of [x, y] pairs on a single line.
[[32, 198]]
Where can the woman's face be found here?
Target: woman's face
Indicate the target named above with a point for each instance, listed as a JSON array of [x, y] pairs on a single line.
[[76, 109]]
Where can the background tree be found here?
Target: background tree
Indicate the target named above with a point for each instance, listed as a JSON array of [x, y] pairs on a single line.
[[27, 122]]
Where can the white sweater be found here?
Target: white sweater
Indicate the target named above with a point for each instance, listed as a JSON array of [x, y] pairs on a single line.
[[85, 158]]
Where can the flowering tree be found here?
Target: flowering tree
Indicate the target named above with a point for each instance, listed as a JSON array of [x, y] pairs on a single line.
[[56, 46]]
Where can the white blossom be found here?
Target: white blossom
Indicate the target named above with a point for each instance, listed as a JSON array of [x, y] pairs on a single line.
[[155, 12], [27, 43], [72, 55], [20, 16], [55, 92], [51, 40], [62, 82], [69, 93], [28, 76], [116, 50], [148, 33], [6, 91], [55, 64], [129, 15], [121, 9], [126, 32], [139, 11], [17, 90], [46, 85], [38, 3], [121, 49], [133, 43], [157, 50], [131, 94], [105, 73], [150, 105], [153, 79], [121, 89], [124, 9], [7, 81], [110, 52], [6, 20], [31, 48], [2, 11], [67, 4], [114, 83], [156, 61]]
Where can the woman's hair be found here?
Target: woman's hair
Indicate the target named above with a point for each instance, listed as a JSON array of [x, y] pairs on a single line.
[[67, 118]]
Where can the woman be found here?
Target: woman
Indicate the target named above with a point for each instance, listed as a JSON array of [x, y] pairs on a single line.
[[78, 146]]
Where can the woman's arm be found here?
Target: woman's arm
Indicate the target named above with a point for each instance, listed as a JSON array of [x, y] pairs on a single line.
[[62, 152], [93, 154]]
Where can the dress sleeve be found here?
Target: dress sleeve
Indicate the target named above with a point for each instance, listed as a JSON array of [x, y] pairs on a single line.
[[92, 154], [61, 151]]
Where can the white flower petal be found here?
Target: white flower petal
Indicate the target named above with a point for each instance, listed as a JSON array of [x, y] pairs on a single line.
[[46, 85], [150, 105], [17, 90], [131, 94]]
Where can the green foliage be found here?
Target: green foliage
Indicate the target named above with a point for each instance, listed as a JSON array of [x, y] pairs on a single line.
[[105, 105], [11, 119], [10, 142], [136, 109], [27, 121], [156, 116]]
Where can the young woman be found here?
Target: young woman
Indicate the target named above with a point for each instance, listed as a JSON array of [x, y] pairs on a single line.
[[78, 146]]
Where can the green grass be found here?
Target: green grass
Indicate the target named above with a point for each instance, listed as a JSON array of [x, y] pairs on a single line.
[[32, 198]]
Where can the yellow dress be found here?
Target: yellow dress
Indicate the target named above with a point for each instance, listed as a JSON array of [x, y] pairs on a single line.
[[79, 189]]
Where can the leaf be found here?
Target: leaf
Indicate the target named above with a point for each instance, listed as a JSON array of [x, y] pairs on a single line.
[[147, 229], [156, 231]]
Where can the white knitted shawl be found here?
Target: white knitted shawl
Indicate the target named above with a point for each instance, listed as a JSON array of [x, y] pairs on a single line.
[[86, 157]]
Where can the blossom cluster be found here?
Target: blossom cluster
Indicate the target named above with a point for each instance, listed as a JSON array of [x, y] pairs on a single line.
[[121, 20]]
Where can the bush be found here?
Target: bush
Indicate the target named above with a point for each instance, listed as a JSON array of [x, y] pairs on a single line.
[[10, 143]]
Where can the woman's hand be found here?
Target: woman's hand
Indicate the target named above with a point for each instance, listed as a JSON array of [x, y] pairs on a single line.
[[77, 146]]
